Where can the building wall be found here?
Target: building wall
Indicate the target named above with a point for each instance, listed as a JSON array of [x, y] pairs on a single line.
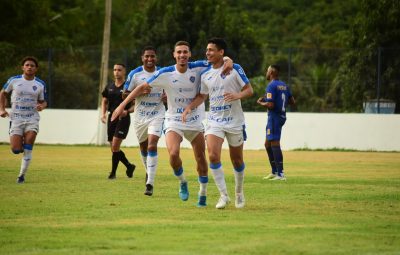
[[380, 132]]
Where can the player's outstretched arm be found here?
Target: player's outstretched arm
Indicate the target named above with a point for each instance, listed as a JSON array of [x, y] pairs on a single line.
[[198, 100], [228, 65], [139, 90]]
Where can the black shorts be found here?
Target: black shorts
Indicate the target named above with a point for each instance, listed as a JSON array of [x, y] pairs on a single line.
[[118, 128]]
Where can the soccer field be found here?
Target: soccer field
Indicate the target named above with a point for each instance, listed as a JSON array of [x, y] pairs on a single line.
[[332, 203]]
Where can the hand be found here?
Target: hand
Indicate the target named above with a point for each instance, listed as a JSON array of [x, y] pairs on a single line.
[[117, 112], [185, 113], [228, 66], [39, 107], [228, 97], [104, 118], [4, 113], [146, 90], [124, 113]]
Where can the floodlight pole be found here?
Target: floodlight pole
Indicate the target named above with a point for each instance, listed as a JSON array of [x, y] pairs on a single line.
[[101, 137]]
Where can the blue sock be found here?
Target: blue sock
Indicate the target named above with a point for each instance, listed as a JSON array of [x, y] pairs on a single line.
[[271, 160], [276, 150]]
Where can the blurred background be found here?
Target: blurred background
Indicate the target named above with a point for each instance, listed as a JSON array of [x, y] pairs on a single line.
[[337, 56]]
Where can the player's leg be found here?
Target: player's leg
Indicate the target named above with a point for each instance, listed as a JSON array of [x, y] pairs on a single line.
[[235, 140], [236, 155], [275, 138], [173, 141], [199, 150], [214, 147], [28, 141], [154, 131], [152, 162], [121, 131], [268, 148]]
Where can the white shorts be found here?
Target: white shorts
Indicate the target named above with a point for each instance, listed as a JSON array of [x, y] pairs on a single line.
[[20, 127], [190, 135], [153, 127], [235, 137]]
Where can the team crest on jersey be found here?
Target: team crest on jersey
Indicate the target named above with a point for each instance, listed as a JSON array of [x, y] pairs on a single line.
[[192, 79], [34, 88], [269, 95]]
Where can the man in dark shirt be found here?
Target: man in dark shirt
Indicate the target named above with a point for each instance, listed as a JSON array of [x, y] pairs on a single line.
[[117, 130]]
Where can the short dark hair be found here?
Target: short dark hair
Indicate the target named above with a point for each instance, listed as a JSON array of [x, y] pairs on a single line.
[[179, 43], [276, 67], [30, 58], [149, 47], [120, 64], [219, 42]]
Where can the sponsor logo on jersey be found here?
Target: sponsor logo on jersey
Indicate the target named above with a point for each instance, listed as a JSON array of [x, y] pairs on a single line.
[[269, 95], [192, 79], [174, 81], [185, 90]]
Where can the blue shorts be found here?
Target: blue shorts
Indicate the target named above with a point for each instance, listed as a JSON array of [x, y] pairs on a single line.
[[274, 127]]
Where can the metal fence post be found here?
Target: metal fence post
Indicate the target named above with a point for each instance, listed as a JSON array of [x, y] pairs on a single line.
[[378, 95]]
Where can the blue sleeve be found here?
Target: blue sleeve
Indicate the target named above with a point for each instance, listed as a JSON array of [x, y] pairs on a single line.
[[199, 63], [241, 72]]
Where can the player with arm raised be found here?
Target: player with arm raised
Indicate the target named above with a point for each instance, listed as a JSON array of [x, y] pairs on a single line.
[[181, 82], [225, 118]]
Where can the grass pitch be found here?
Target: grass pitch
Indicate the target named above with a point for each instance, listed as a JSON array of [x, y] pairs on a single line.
[[333, 203]]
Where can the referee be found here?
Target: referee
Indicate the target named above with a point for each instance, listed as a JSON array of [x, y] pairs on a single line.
[[117, 130]]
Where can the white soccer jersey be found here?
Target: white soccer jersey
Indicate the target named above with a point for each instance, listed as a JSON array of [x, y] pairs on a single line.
[[181, 89], [147, 107], [214, 83], [25, 95]]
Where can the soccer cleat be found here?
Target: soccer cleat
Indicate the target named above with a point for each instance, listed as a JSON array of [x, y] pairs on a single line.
[[202, 201], [149, 190], [112, 176], [222, 202], [183, 191], [269, 177], [278, 178], [21, 179], [129, 170], [239, 201]]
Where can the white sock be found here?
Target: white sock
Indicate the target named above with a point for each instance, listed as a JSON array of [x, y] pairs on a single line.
[[239, 179], [219, 178], [25, 162], [152, 160], [203, 181], [144, 161]]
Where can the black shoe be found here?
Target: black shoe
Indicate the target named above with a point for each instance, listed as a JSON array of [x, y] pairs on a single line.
[[149, 190], [129, 170], [111, 176]]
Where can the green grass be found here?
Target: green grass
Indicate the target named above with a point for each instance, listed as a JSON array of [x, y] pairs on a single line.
[[333, 203]]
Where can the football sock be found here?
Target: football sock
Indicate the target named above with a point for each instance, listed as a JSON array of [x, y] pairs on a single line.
[[203, 180], [219, 178], [152, 161], [26, 159], [239, 178], [278, 159], [271, 160], [179, 174], [115, 161], [144, 159], [123, 158]]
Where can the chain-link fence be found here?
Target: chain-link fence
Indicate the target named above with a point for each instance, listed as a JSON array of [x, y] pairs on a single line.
[[322, 80]]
